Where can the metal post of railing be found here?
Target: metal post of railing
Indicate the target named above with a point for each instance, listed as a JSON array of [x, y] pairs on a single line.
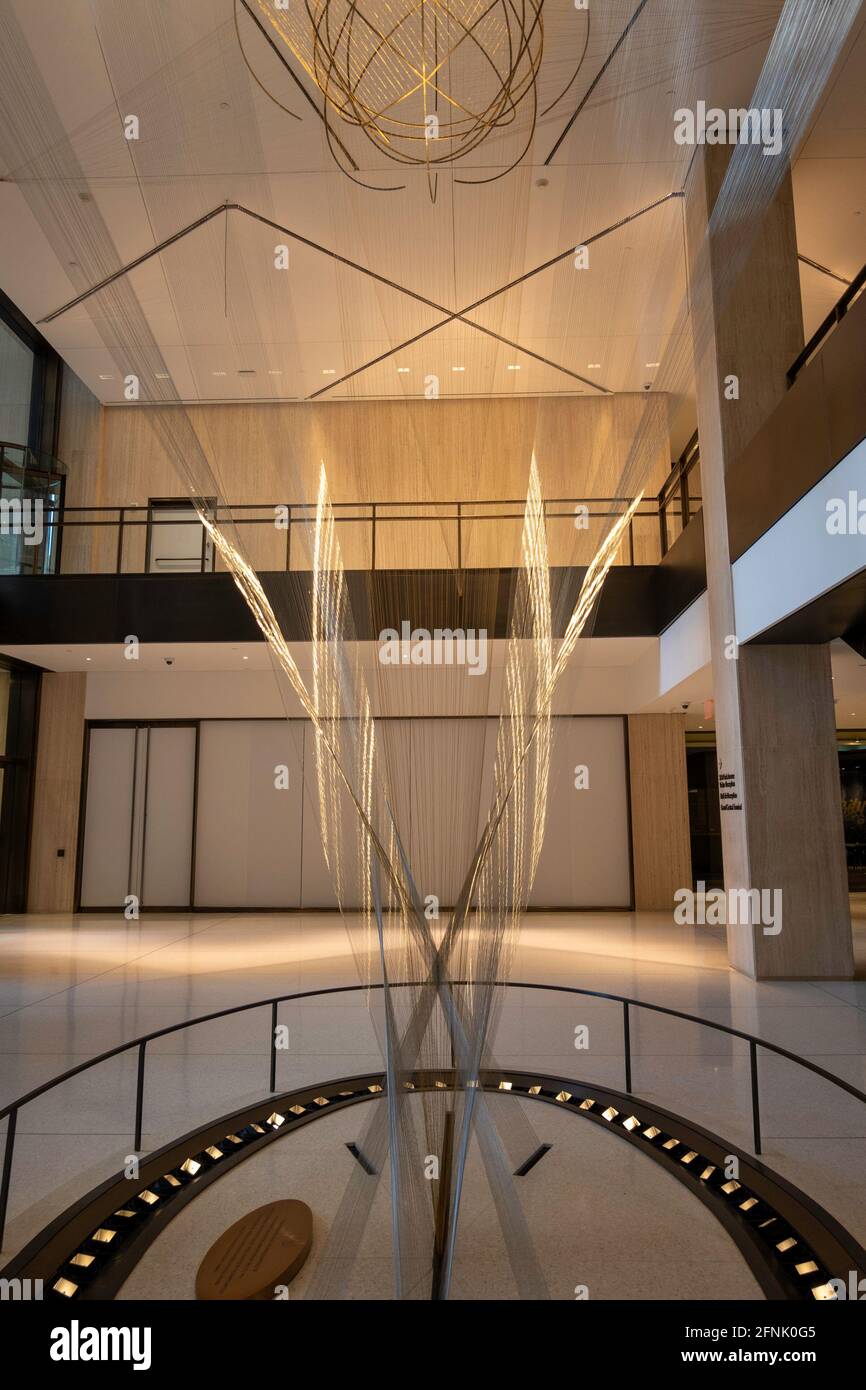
[[373, 556], [7, 1171], [147, 538], [273, 1046], [120, 540], [626, 1041], [663, 525], [288, 538], [460, 535], [685, 504], [139, 1096], [631, 542], [56, 550], [756, 1104]]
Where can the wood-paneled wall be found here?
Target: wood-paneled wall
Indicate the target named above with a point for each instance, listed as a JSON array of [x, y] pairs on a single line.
[[395, 451], [661, 846], [57, 792]]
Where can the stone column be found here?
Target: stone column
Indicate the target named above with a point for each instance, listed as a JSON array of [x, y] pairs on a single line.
[[775, 725]]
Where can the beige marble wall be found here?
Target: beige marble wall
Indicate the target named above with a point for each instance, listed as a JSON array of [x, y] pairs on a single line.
[[57, 792]]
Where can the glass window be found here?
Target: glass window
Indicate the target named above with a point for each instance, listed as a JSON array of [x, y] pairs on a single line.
[[16, 383]]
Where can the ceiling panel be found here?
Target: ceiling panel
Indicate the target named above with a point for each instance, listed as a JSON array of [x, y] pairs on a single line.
[[229, 325]]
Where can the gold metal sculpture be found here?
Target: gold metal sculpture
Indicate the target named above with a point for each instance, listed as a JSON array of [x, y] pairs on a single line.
[[425, 81]]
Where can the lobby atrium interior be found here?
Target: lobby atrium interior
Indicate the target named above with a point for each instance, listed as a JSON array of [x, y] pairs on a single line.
[[432, 660]]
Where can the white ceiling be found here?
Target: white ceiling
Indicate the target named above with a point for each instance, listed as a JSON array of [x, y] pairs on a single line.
[[209, 135], [232, 656], [605, 675]]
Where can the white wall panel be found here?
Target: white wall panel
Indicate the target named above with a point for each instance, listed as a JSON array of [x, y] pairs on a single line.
[[447, 762], [394, 748], [585, 861], [248, 833], [168, 824], [259, 847], [108, 818], [798, 559]]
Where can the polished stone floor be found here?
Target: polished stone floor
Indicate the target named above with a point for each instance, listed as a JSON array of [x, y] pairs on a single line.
[[73, 987], [605, 1220]]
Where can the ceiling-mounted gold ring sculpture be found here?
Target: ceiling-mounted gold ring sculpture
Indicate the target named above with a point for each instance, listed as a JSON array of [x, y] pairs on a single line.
[[425, 81]]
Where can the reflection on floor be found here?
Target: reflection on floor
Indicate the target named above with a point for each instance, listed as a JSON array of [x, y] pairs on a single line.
[[602, 1215], [72, 987]]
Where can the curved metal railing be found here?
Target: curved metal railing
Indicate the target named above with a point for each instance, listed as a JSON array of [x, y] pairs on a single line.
[[140, 1043]]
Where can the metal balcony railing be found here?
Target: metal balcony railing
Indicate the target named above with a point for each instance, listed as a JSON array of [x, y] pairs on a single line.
[[11, 1111], [168, 537], [825, 328]]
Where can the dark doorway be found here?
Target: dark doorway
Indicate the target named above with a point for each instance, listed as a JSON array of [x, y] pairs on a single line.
[[852, 765], [704, 819], [19, 689]]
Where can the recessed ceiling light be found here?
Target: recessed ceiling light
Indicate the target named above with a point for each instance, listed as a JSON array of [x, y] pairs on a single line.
[[88, 658], [329, 371], [218, 373], [402, 369], [275, 371], [593, 366], [162, 376], [246, 658], [514, 366], [653, 364], [104, 376], [458, 369]]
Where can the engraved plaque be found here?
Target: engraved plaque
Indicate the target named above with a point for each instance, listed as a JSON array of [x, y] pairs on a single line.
[[265, 1248]]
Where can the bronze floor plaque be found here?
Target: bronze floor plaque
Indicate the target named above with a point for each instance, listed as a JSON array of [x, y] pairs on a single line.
[[264, 1249]]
